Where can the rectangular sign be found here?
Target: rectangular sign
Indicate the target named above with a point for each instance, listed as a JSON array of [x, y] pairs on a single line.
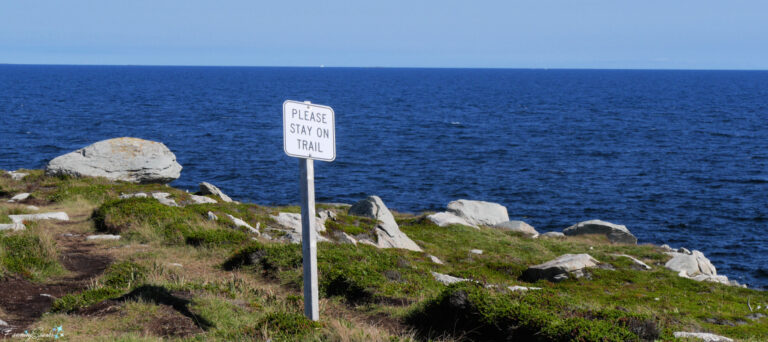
[[309, 131]]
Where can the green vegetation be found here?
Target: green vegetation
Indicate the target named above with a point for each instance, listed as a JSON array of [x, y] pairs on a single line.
[[208, 280], [28, 254]]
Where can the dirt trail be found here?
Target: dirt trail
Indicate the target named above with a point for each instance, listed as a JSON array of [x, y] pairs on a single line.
[[23, 301]]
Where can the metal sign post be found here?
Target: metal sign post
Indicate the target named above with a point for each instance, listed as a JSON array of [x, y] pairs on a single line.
[[309, 133]]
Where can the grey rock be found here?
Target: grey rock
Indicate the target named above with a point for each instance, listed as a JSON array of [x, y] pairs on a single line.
[[103, 237], [3, 323], [58, 215], [212, 216], [517, 288], [387, 230], [561, 268], [293, 221], [20, 197], [636, 263], [210, 189], [32, 207], [12, 226], [435, 259], [445, 219], [175, 264], [240, 223], [683, 250], [17, 175], [126, 159], [690, 265], [518, 227], [326, 214], [479, 213], [136, 195], [614, 232], [343, 237], [446, 279], [163, 198], [476, 251], [552, 235], [755, 316], [706, 337], [195, 199], [666, 248]]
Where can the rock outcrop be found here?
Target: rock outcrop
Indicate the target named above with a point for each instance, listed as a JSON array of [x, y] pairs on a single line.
[[517, 227], [706, 337], [614, 232], [387, 230], [125, 159], [446, 279], [561, 268], [210, 189], [59, 215], [242, 224], [195, 199], [445, 219], [479, 213]]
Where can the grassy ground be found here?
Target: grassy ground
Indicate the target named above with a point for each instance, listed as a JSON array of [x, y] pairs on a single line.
[[177, 275]]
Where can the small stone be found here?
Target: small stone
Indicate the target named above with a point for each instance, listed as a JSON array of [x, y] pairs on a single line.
[[476, 251], [435, 259], [445, 219], [138, 195], [195, 199], [666, 248], [755, 316], [240, 223], [103, 237], [212, 216], [345, 238], [47, 295], [20, 197], [32, 207], [683, 250], [175, 264], [17, 175], [552, 235], [446, 279], [522, 288], [162, 197], [636, 264]]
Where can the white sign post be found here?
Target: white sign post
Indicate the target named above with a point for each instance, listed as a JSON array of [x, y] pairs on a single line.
[[309, 132]]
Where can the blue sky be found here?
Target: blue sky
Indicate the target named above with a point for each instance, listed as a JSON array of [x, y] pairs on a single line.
[[393, 33]]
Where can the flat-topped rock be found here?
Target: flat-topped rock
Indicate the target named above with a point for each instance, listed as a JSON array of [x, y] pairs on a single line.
[[614, 232], [210, 189], [517, 227], [446, 279], [706, 337], [445, 219], [58, 215], [164, 198], [195, 199], [561, 268], [293, 221], [553, 235], [125, 159], [387, 231], [103, 237], [479, 213], [17, 175], [12, 226]]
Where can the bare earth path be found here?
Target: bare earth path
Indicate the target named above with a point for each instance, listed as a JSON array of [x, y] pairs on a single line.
[[24, 302]]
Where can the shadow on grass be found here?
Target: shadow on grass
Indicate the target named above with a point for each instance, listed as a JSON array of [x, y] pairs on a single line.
[[161, 296]]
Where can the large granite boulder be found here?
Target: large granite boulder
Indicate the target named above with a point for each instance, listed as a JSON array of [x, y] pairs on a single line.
[[517, 227], [126, 159], [388, 232], [561, 268], [691, 265], [479, 213], [614, 232]]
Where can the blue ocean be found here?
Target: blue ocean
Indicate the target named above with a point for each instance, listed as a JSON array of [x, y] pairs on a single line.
[[679, 157]]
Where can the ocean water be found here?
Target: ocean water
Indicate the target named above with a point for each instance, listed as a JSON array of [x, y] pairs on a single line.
[[679, 157]]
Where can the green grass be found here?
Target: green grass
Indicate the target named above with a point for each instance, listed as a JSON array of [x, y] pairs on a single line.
[[118, 279], [26, 254]]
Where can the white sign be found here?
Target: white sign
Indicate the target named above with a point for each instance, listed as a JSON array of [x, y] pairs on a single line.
[[309, 131]]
